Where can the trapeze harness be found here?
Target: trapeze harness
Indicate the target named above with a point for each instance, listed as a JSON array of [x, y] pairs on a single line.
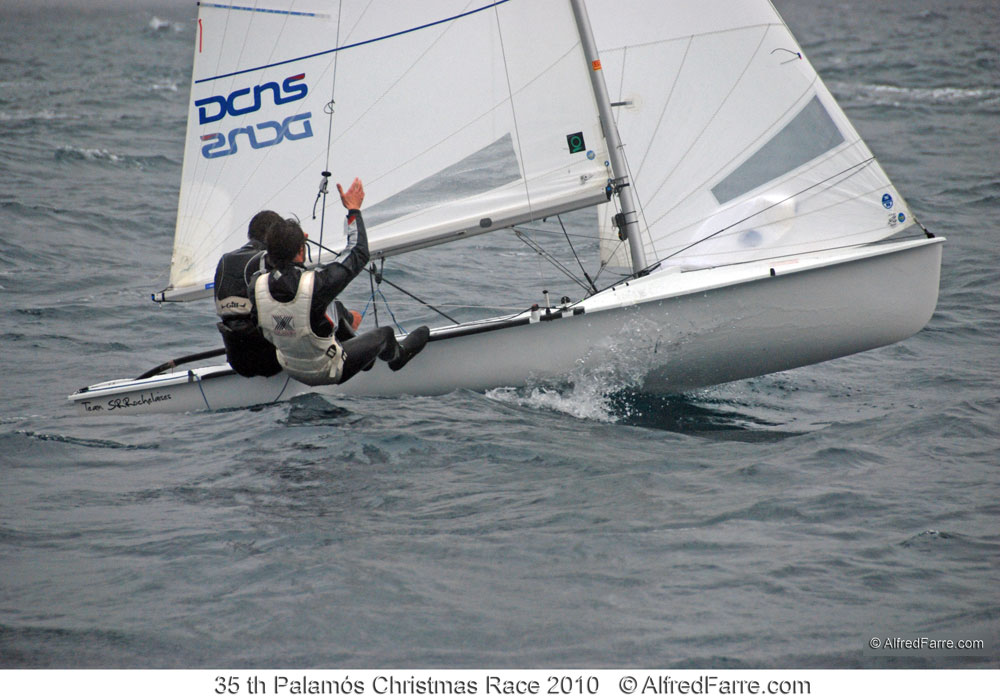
[[307, 357]]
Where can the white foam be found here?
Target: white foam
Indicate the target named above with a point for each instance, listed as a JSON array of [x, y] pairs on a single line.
[[89, 154], [588, 402], [896, 96], [585, 391]]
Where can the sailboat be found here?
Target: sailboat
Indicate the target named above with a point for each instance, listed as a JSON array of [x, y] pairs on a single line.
[[752, 228]]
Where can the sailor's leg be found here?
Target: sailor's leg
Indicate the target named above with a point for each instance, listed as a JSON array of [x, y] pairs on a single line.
[[360, 351], [411, 345]]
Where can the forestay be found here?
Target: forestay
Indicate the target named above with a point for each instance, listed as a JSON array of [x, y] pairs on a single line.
[[460, 117], [736, 149]]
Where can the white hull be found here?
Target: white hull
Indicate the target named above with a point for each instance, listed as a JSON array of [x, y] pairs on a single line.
[[667, 332]]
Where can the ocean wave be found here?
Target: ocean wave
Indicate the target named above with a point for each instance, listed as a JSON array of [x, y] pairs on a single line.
[[158, 25], [43, 115], [984, 195], [164, 86], [75, 153], [929, 16], [84, 442], [896, 96], [103, 155], [930, 540]]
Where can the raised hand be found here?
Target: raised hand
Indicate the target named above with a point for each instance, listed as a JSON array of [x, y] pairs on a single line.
[[354, 196]]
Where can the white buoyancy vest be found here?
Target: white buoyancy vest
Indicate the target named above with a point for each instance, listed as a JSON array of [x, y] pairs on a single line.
[[307, 357]]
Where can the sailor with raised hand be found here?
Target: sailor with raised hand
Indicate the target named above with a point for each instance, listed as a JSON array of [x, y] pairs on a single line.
[[290, 305]]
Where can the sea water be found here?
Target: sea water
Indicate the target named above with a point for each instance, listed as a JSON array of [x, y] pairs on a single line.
[[776, 522]]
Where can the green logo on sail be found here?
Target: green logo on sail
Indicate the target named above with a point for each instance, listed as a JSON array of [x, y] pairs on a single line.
[[576, 143]]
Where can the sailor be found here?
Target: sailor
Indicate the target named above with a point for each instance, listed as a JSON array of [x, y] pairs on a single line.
[[247, 351], [294, 306]]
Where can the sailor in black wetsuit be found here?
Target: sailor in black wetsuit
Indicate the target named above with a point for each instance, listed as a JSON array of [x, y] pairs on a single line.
[[292, 306], [247, 351]]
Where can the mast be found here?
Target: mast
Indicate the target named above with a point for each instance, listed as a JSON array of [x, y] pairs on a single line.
[[611, 136]]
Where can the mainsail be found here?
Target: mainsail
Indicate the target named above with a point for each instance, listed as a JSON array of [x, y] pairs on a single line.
[[736, 149], [460, 117]]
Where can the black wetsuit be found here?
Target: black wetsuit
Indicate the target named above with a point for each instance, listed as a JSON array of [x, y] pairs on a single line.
[[247, 351]]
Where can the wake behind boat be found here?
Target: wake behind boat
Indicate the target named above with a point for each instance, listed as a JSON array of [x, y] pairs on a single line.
[[746, 215]]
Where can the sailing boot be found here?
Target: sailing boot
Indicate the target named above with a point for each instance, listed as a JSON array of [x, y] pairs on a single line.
[[411, 345]]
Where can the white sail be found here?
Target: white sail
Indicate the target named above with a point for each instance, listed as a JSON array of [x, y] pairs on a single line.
[[460, 117], [737, 151]]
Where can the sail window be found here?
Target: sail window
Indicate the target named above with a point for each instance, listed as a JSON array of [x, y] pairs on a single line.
[[810, 134], [491, 167]]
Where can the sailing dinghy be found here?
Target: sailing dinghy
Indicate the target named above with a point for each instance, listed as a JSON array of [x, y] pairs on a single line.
[[754, 229]]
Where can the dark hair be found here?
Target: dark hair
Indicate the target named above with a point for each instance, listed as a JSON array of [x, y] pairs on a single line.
[[260, 223], [284, 241]]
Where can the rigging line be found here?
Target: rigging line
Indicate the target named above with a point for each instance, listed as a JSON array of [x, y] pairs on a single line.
[[324, 187], [414, 296], [856, 166], [923, 228], [621, 242], [372, 272], [479, 322], [349, 301], [548, 256], [358, 43], [323, 247], [259, 9], [333, 93], [832, 181], [584, 236], [611, 256], [572, 248], [513, 112], [637, 200], [389, 309], [197, 378], [552, 260], [847, 246], [778, 182], [813, 212], [828, 249]]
